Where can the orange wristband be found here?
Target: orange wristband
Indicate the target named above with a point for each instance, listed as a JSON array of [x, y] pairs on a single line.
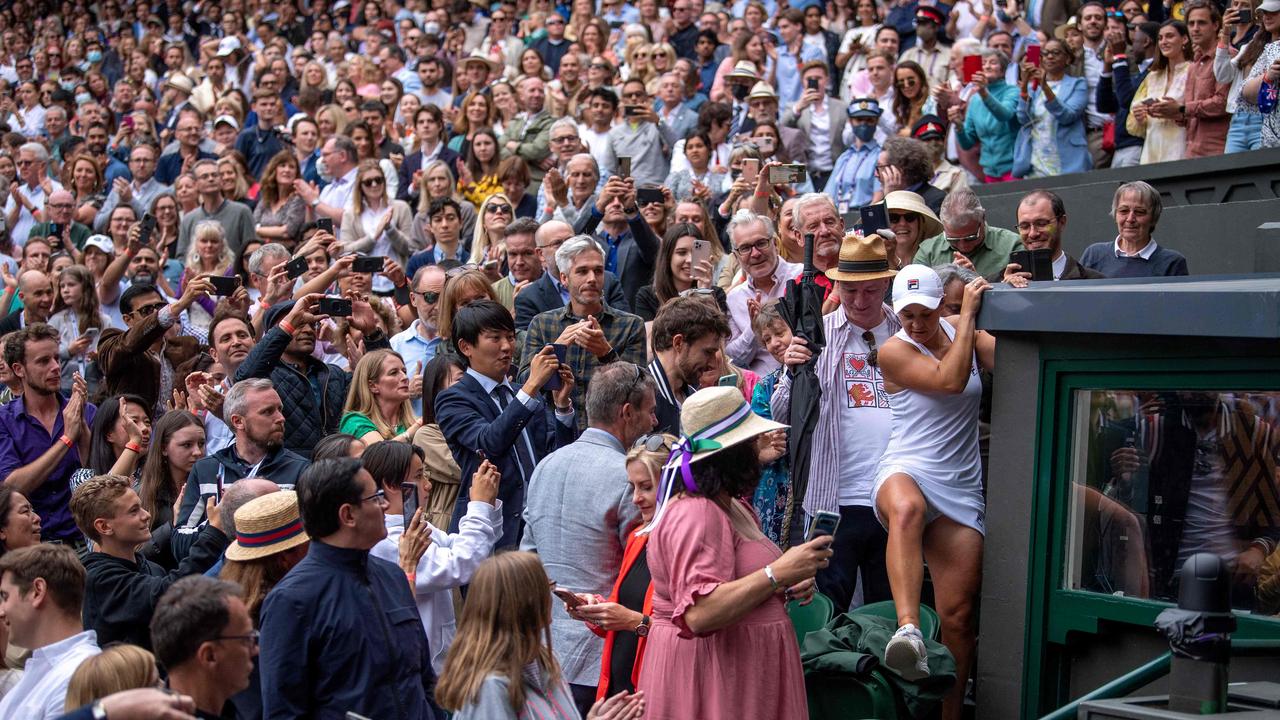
[[66, 441], [286, 326], [134, 447]]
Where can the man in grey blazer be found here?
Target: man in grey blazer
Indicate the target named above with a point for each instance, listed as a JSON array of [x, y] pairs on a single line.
[[578, 512], [821, 118]]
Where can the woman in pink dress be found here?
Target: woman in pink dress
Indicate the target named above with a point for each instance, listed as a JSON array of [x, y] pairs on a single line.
[[721, 646]]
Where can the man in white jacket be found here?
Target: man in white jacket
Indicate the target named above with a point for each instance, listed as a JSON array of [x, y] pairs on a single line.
[[451, 559]]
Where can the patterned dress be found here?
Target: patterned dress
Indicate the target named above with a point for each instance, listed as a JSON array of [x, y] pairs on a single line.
[[774, 491]]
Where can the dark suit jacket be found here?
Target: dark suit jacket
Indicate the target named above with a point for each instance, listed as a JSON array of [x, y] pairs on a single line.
[[475, 430], [13, 321], [412, 164], [542, 296], [636, 254]]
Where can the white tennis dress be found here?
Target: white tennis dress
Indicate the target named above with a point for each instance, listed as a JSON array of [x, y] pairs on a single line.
[[935, 442]]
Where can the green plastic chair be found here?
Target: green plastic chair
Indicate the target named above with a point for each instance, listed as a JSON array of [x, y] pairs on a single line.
[[929, 623], [846, 698], [807, 618]]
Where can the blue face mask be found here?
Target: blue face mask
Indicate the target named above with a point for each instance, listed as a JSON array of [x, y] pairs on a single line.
[[94, 56], [68, 85], [865, 133], [83, 98]]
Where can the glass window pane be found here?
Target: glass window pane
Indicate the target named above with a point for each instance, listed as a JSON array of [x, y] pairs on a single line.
[[1160, 475]]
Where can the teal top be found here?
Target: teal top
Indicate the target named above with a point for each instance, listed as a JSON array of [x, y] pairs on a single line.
[[993, 121], [359, 425]]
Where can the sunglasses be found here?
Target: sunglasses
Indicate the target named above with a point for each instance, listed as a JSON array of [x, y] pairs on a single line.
[[372, 182], [148, 310], [429, 296], [873, 356], [495, 209], [903, 217], [653, 442]]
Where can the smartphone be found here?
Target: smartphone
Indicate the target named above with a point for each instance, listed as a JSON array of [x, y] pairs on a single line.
[[701, 251], [631, 110], [823, 523], [325, 224], [553, 383], [750, 169], [223, 285], [1244, 17], [615, 24], [334, 306], [369, 264], [410, 493], [1037, 262], [972, 65], [296, 268], [148, 227], [624, 167], [811, 83], [874, 217], [127, 121], [55, 230], [570, 599], [765, 143], [648, 196], [1033, 55], [727, 381], [787, 174]]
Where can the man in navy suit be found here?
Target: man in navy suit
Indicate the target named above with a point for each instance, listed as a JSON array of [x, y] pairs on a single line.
[[547, 292], [484, 417], [428, 124]]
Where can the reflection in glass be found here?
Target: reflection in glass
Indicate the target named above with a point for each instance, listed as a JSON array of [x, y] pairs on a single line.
[[1159, 476]]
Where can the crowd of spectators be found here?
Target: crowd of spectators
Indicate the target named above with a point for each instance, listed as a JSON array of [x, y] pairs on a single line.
[[302, 300]]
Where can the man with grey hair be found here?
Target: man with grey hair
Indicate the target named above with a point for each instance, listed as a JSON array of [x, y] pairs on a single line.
[[235, 218], [566, 144], [255, 413], [138, 192], [579, 512], [596, 333], [547, 293], [673, 112], [967, 239], [32, 191], [262, 264], [576, 193], [1136, 207], [340, 159], [751, 240], [815, 213]]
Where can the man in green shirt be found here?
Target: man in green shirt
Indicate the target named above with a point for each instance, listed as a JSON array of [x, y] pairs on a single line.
[[967, 239], [61, 207]]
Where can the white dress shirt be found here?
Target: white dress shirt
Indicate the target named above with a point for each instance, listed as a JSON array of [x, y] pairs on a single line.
[[41, 694], [338, 193]]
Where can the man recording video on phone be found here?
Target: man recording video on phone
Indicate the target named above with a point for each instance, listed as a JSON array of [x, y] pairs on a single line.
[[642, 136], [61, 227], [1042, 219]]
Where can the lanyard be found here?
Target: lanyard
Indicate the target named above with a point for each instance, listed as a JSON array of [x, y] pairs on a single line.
[[851, 186]]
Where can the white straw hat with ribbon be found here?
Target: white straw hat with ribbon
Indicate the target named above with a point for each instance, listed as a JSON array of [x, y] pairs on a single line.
[[712, 420]]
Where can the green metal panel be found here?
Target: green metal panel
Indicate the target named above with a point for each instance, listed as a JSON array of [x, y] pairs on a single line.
[[1054, 612]]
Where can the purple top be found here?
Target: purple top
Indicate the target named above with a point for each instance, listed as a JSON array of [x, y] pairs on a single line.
[[22, 441]]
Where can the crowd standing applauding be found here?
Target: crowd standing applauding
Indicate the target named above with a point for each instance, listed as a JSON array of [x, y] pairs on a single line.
[[398, 357]]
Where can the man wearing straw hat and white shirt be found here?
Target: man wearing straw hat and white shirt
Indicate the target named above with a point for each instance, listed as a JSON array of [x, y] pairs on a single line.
[[847, 447]]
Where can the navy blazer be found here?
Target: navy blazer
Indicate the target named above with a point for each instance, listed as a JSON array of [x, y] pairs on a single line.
[[542, 296], [475, 430], [412, 164]]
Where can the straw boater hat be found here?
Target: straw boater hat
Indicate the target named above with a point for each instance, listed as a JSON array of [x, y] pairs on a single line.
[[1060, 32], [744, 70], [762, 90], [181, 83], [862, 258], [712, 420], [908, 201], [267, 525], [480, 57]]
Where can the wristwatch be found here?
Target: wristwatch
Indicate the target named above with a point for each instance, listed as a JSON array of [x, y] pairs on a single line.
[[643, 628]]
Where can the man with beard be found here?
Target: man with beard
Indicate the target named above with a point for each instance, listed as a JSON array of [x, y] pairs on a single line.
[[523, 261], [44, 438], [230, 340], [255, 413], [687, 335], [420, 342], [141, 359], [312, 392]]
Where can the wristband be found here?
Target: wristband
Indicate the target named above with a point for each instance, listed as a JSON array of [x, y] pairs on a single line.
[[263, 302], [412, 577], [764, 194], [287, 326], [768, 572], [66, 441], [135, 447]]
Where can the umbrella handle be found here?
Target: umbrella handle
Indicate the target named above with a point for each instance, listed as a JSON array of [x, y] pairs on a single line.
[[808, 253]]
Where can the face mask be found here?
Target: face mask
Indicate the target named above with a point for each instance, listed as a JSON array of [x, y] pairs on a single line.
[[94, 56], [865, 133], [83, 98], [739, 91], [68, 85]]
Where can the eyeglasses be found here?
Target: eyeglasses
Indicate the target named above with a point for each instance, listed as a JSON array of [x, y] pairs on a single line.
[[251, 639], [903, 217], [653, 442], [372, 182], [598, 66], [757, 246], [1040, 225], [429, 296], [564, 138], [555, 22], [147, 310], [379, 497], [495, 209], [697, 291], [964, 238], [908, 82], [873, 355]]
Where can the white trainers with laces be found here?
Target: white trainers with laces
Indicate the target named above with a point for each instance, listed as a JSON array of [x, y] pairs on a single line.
[[906, 653]]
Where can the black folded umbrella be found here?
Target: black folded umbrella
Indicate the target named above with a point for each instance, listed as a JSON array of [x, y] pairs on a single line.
[[801, 308]]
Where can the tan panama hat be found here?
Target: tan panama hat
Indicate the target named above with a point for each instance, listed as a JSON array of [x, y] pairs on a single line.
[[267, 525], [862, 258], [480, 57], [763, 90], [744, 70], [906, 201], [716, 418]]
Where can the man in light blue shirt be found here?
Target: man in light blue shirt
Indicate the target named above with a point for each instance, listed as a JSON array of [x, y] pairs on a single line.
[[419, 343], [793, 53]]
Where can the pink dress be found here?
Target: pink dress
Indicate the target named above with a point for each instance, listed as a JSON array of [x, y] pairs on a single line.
[[750, 669]]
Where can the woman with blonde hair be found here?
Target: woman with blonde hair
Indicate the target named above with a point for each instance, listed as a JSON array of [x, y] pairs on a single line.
[[501, 663], [662, 60], [234, 178], [376, 224], [331, 120], [281, 211], [637, 65], [208, 255], [378, 406], [118, 667], [487, 245], [438, 181], [461, 288]]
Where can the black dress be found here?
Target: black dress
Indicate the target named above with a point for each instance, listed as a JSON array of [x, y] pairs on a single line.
[[631, 593]]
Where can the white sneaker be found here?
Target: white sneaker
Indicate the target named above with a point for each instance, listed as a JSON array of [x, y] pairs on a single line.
[[906, 654]]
